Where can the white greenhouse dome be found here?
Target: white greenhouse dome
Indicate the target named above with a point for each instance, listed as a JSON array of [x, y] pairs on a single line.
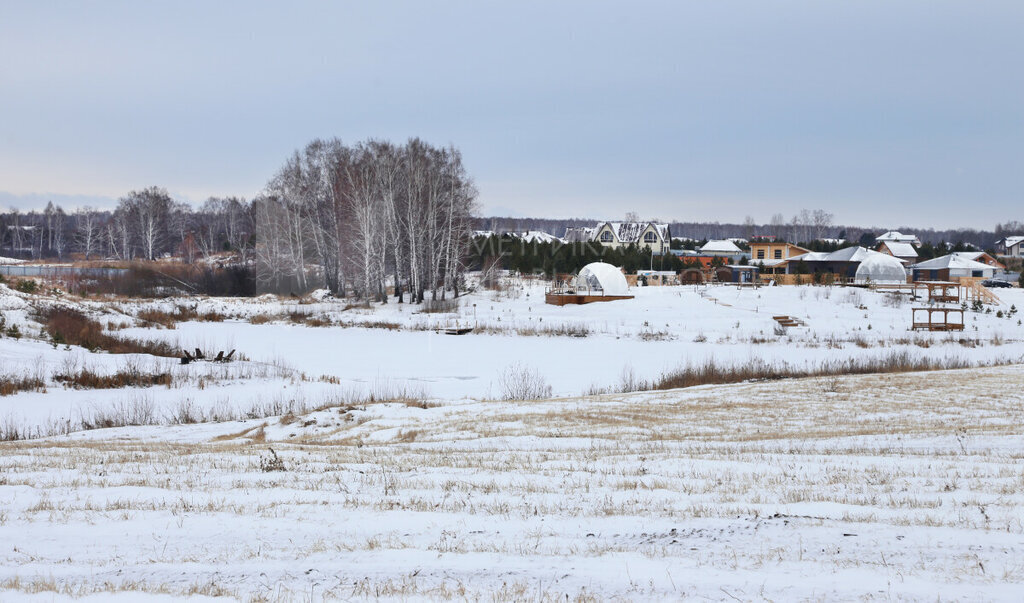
[[880, 269], [601, 279]]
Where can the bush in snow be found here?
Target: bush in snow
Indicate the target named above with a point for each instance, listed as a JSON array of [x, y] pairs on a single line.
[[519, 382]]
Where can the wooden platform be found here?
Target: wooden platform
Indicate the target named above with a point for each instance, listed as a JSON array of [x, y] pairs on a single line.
[[563, 299], [789, 321], [933, 324]]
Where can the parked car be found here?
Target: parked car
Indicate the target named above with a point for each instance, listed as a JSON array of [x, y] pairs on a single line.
[[996, 284]]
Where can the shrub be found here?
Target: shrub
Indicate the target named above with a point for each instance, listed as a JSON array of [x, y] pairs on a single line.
[[12, 384], [76, 328], [271, 462], [27, 286], [519, 382], [87, 379]]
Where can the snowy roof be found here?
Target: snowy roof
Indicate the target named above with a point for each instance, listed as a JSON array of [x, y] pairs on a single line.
[[537, 236], [901, 250], [599, 276], [952, 260], [896, 237], [579, 234], [847, 254], [721, 247], [629, 232], [1011, 241]]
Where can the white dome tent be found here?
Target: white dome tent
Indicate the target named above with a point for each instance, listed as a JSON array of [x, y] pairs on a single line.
[[600, 278], [880, 269]]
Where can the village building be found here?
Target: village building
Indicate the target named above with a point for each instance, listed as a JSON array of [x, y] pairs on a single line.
[[980, 256], [895, 236], [537, 236], [1012, 247], [655, 237], [772, 250], [657, 278], [904, 252], [725, 249], [851, 264], [951, 267], [579, 234]]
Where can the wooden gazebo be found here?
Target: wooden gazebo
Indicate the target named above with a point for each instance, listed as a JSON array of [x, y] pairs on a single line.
[[930, 321]]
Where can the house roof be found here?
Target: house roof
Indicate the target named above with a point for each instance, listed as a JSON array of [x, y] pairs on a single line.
[[974, 255], [896, 237], [579, 234], [846, 254], [720, 247], [901, 250], [629, 232], [537, 236], [951, 261], [1011, 241]]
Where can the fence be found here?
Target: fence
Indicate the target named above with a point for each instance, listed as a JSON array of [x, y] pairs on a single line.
[[46, 271]]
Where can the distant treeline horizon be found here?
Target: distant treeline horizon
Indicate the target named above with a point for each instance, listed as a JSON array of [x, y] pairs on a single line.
[[796, 229]]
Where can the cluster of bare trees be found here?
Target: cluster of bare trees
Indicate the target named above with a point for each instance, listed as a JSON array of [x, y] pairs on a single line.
[[359, 219], [368, 214], [805, 226]]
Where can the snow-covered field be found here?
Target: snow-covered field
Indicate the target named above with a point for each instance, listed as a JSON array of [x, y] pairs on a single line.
[[661, 330], [872, 486], [877, 487], [402, 354]]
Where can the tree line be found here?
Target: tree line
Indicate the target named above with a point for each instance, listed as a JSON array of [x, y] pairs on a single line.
[[361, 220]]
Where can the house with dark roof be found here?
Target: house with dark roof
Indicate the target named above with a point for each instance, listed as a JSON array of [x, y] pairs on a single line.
[[1012, 247]]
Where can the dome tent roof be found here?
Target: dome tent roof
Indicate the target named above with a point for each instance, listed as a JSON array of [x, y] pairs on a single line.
[[880, 269], [599, 276]]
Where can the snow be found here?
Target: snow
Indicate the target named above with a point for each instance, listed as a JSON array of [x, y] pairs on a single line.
[[6, 260], [900, 487], [662, 329]]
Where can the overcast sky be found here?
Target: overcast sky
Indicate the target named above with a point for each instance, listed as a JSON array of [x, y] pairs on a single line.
[[884, 113]]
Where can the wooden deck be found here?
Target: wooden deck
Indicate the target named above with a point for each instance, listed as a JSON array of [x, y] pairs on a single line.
[[563, 299]]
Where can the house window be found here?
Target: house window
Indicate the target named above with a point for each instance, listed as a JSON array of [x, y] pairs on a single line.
[[778, 254], [760, 254], [650, 237], [606, 237]]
